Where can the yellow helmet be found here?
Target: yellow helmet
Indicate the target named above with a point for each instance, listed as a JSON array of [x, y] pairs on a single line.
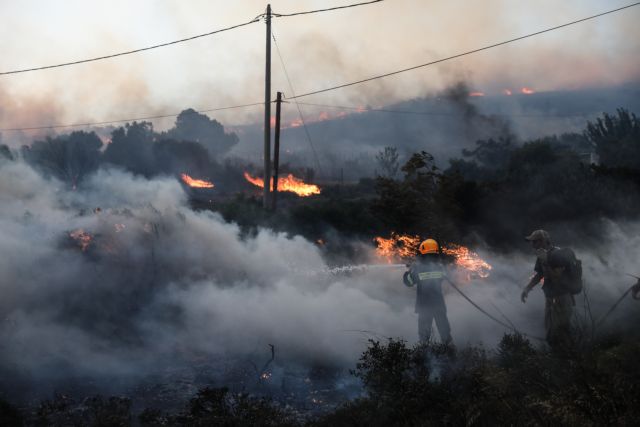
[[429, 246]]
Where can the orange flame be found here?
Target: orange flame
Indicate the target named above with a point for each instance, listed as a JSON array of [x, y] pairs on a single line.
[[527, 91], [468, 260], [476, 94], [82, 238], [399, 247], [288, 183], [507, 92], [195, 183], [321, 117]]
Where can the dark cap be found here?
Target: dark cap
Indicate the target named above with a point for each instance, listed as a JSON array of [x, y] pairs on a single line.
[[539, 235]]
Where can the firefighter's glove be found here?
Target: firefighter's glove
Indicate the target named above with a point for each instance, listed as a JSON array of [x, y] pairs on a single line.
[[524, 295], [406, 278]]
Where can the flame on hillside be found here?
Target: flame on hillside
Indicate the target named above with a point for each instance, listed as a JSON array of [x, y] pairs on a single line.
[[527, 91], [402, 247], [322, 116], [288, 183], [195, 183]]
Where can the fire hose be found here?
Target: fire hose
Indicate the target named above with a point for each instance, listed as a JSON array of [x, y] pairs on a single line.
[[489, 315], [634, 289]]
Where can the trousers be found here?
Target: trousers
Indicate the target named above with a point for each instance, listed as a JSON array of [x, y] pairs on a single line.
[[427, 313], [557, 320]]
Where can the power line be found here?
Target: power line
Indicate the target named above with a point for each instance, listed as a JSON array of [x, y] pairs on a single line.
[[124, 120], [304, 125], [82, 61], [436, 113], [278, 15], [465, 53]]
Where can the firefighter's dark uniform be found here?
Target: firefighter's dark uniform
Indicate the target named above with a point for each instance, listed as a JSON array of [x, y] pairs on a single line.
[[559, 303], [427, 273]]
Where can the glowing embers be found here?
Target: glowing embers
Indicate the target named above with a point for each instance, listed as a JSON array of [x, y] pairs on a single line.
[[195, 183], [288, 183], [265, 376], [403, 247], [527, 91], [81, 238]]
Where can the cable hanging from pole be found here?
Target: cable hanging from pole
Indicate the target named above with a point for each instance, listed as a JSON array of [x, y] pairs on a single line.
[[279, 15], [437, 61], [304, 125], [634, 289], [99, 58], [163, 116]]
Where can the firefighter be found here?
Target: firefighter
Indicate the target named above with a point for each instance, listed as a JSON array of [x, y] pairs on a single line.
[[427, 272], [558, 308]]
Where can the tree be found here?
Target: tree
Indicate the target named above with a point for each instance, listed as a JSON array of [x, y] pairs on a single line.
[[193, 126], [181, 157], [616, 139], [68, 157], [388, 161], [491, 153], [131, 148], [408, 206], [5, 152]]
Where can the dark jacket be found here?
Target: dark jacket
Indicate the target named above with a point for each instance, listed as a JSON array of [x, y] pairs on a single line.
[[427, 273], [551, 288]]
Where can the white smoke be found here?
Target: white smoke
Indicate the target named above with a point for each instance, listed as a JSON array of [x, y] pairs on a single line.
[[160, 278], [160, 281]]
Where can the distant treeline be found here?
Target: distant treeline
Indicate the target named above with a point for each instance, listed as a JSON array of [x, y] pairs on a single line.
[[194, 145], [493, 193]]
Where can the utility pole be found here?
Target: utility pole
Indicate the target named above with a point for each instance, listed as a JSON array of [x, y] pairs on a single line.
[[276, 151], [267, 113]]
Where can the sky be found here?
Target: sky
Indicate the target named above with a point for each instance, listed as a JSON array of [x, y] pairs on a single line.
[[319, 50]]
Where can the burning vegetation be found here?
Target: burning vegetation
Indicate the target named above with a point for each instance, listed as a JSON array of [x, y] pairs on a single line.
[[397, 247], [289, 183], [468, 261], [400, 247], [162, 262], [195, 183]]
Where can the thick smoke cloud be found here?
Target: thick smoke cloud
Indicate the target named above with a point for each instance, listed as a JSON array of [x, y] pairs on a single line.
[[320, 50], [160, 283], [157, 277]]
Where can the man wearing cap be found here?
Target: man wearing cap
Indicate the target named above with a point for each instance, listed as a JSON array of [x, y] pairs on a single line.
[[558, 300]]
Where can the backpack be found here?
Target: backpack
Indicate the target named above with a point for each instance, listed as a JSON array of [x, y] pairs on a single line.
[[572, 276]]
